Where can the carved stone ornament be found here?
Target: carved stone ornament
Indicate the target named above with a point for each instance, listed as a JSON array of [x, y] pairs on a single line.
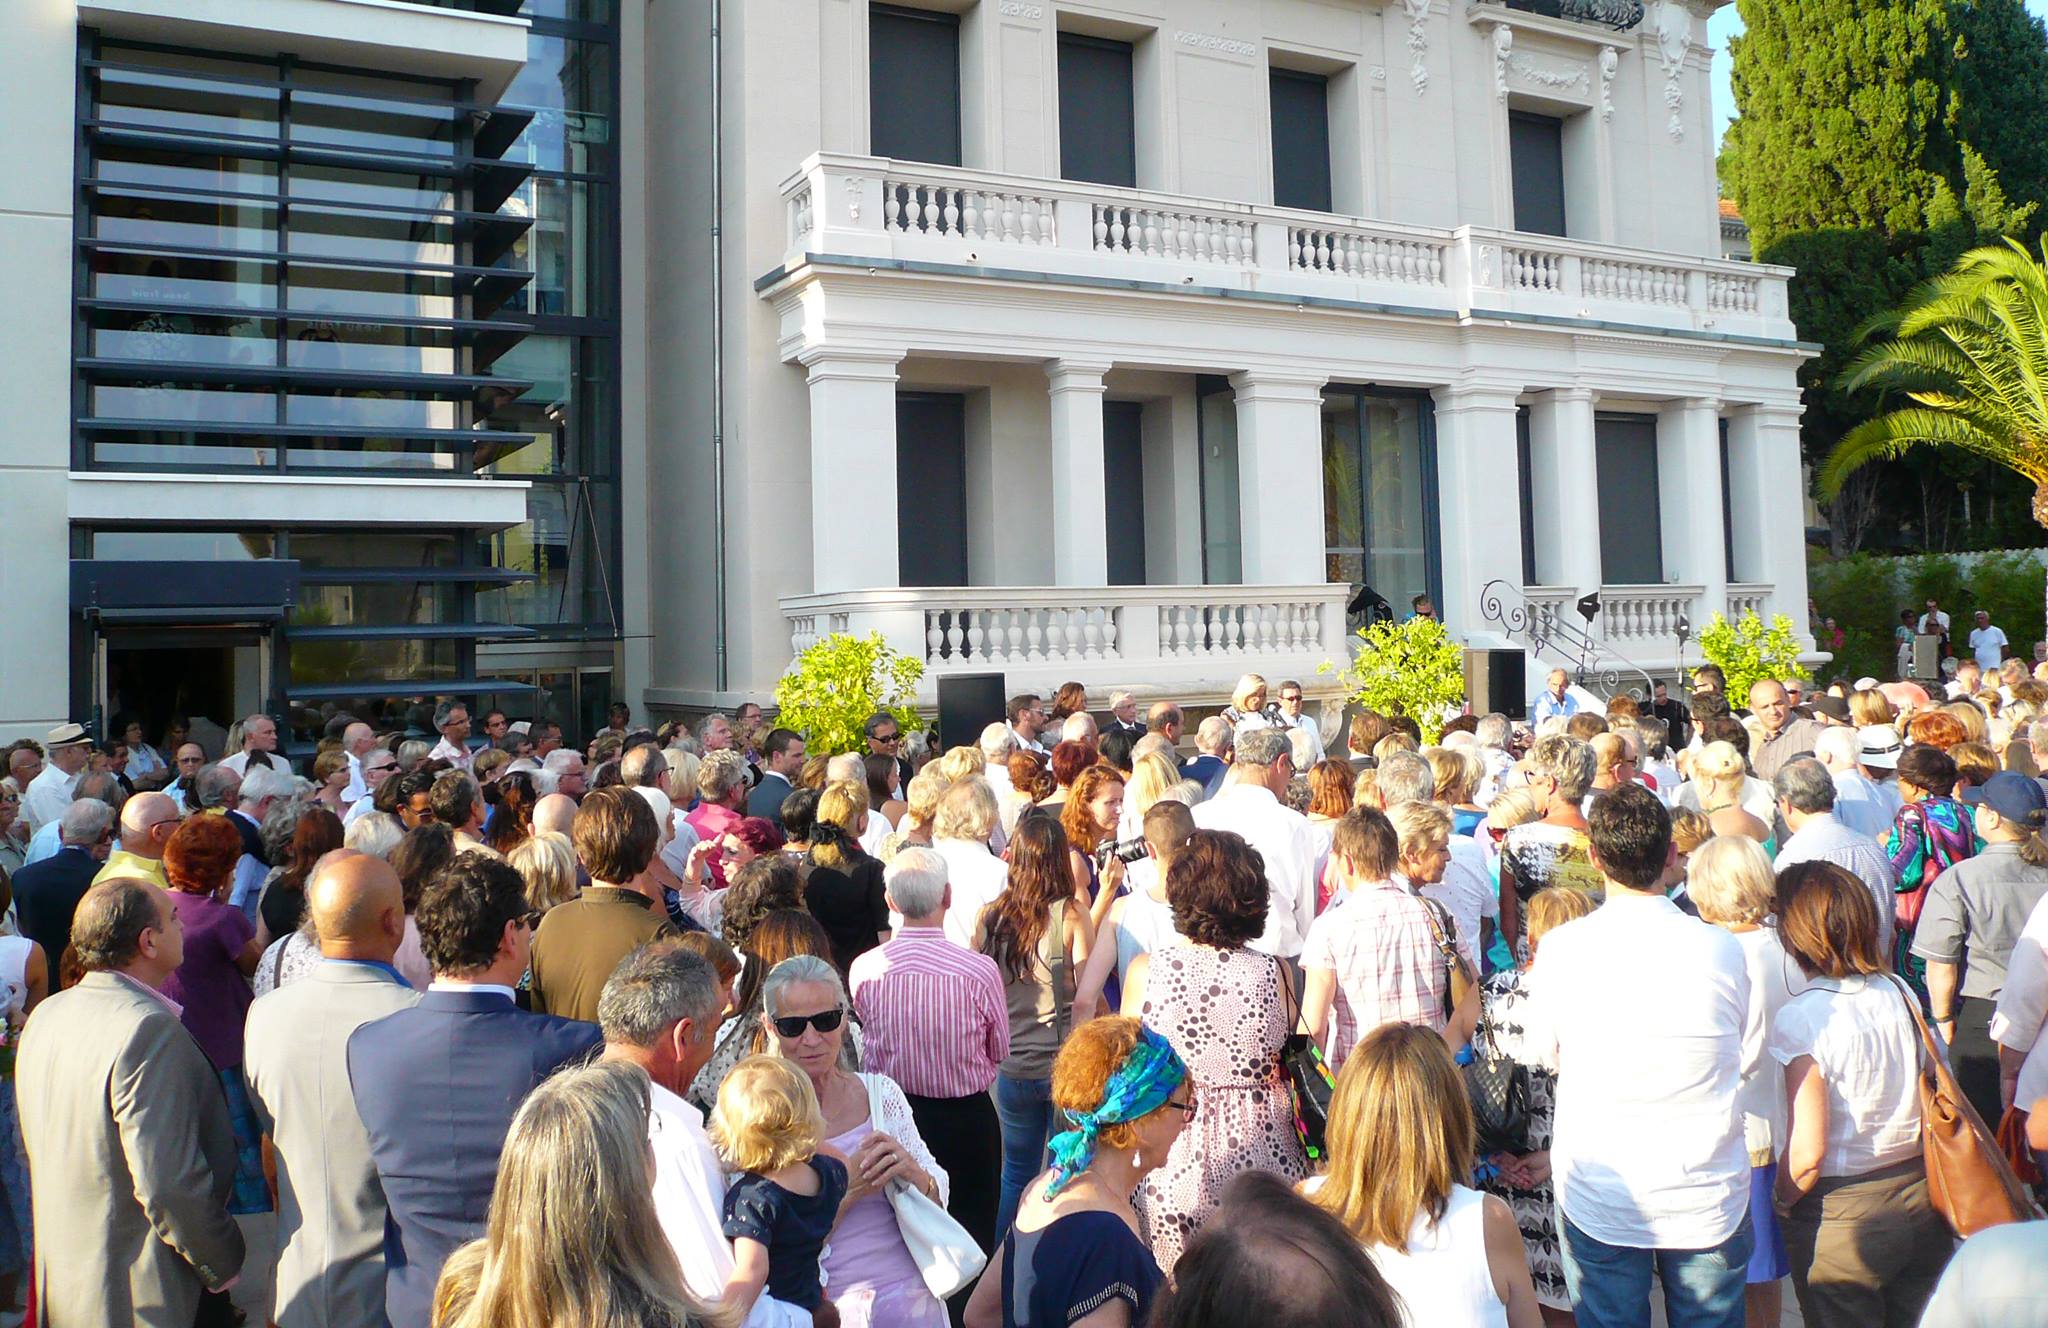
[[1489, 265], [1503, 47], [1610, 60], [1674, 43], [852, 183], [1418, 42], [1545, 76]]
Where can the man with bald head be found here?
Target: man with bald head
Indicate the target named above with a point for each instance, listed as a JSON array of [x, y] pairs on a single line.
[[556, 812], [188, 761], [330, 1204], [357, 740], [1787, 736], [148, 820]]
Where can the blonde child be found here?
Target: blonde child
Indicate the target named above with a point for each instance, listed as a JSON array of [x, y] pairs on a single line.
[[779, 1212]]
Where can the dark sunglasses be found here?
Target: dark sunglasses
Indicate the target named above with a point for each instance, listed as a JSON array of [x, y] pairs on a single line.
[[530, 919], [791, 1026]]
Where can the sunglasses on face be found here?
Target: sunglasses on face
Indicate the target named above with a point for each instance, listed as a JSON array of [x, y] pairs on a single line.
[[791, 1026], [1186, 1109], [530, 919]]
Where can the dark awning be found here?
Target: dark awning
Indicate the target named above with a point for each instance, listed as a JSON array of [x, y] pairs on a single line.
[[261, 590]]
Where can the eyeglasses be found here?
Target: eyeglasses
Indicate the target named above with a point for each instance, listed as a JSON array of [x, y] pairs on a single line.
[[884, 738], [1290, 698], [1186, 1109], [530, 919], [378, 769], [791, 1026]]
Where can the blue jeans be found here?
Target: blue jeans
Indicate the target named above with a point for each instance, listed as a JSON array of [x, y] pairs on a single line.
[[1024, 1106], [1610, 1284]]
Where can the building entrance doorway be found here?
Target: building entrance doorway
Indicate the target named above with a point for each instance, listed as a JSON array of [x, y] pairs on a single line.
[[207, 676]]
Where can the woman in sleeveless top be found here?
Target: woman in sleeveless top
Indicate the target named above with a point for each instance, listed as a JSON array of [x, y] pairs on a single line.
[[1038, 933], [1226, 1012], [1400, 1135]]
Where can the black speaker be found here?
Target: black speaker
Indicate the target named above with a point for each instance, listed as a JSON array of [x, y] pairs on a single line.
[[1496, 680], [969, 703]]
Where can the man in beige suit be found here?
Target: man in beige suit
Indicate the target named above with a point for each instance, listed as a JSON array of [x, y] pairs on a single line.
[[330, 1205], [130, 1153]]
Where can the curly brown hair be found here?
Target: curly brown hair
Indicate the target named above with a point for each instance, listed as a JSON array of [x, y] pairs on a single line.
[[1216, 887], [1075, 819], [1936, 728]]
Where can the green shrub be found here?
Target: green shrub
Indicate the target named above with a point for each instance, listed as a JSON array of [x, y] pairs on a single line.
[[1749, 652], [1862, 595], [834, 686], [1413, 668], [2008, 587]]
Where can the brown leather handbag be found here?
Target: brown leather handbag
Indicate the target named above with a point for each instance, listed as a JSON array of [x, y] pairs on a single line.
[[1968, 1179]]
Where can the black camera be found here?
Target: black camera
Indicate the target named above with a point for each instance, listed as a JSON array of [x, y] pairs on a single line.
[[1125, 851]]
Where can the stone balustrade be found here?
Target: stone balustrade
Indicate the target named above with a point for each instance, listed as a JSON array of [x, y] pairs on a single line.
[[1630, 614], [1749, 599]]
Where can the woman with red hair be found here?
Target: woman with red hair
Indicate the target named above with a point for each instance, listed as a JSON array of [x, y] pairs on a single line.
[[212, 984]]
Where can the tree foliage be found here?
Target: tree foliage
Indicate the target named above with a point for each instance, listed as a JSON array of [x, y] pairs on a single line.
[[1413, 668], [1748, 652], [1875, 142], [835, 684]]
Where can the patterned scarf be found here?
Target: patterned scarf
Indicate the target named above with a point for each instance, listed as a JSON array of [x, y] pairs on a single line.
[[1139, 1087]]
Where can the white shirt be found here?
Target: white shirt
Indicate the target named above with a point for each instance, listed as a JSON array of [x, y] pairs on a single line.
[[1644, 1013], [1934, 624], [1467, 894], [1988, 645], [675, 854], [1307, 724], [998, 777], [2022, 1015], [360, 808], [1283, 839], [977, 877], [1028, 744], [1863, 1041], [689, 1193], [873, 831], [1864, 805], [47, 795], [357, 789], [1825, 839], [444, 750], [1773, 980]]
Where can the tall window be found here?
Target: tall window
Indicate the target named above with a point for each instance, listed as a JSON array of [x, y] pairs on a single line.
[[1379, 493], [931, 464], [1123, 490], [1631, 530], [1098, 111], [1301, 139], [1536, 153], [914, 84]]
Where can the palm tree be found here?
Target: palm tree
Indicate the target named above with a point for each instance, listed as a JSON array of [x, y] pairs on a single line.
[[1970, 350]]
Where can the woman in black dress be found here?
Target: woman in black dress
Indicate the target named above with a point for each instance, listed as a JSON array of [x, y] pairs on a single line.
[[844, 889]]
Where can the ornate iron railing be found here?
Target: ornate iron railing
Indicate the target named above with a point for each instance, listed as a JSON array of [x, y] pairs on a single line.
[[1548, 632], [1620, 15]]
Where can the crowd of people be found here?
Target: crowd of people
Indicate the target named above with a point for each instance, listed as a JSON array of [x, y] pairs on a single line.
[[696, 1025]]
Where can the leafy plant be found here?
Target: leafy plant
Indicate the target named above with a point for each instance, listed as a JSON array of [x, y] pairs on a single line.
[[1412, 668], [1748, 652], [832, 688]]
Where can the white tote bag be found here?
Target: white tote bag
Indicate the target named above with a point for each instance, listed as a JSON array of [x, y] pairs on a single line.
[[942, 1249]]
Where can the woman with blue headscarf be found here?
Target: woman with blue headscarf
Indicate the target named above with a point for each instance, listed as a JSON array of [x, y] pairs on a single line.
[[1074, 1255]]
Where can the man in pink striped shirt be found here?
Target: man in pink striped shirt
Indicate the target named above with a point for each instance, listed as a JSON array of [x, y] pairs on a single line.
[[937, 1022]]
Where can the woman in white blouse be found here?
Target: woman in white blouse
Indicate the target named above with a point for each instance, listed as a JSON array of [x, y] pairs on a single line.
[[1865, 1242], [1729, 880]]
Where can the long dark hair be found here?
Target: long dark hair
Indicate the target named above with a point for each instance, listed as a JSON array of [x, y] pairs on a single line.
[[512, 823], [317, 834], [1039, 878]]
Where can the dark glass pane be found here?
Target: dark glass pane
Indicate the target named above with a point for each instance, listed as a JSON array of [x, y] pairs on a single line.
[[208, 171], [556, 544], [565, 250], [575, 11], [322, 662], [373, 548], [1536, 152], [365, 409], [185, 223], [171, 449], [333, 119], [188, 63], [1123, 481], [1343, 474], [378, 188], [1222, 530], [1631, 546], [372, 291], [564, 410], [377, 603], [370, 348], [409, 455], [1098, 121], [1397, 499], [569, 84], [931, 471], [914, 84], [172, 280], [170, 340], [211, 405], [338, 233], [1301, 140], [165, 102], [191, 546]]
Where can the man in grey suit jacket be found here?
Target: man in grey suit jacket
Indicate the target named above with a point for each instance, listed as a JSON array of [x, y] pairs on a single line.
[[131, 1156], [330, 1205]]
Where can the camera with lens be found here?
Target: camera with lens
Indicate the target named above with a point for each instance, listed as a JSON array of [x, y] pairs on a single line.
[[1125, 851]]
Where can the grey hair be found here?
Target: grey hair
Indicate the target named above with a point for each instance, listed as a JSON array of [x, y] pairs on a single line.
[[374, 834], [847, 766], [1263, 747], [102, 788], [1212, 736], [1566, 760], [85, 822], [966, 811], [642, 766], [1492, 730], [215, 785], [265, 781], [653, 988], [916, 881], [1807, 785], [1406, 777], [795, 970], [280, 823], [107, 930], [412, 752], [1078, 727], [2037, 735], [447, 708], [704, 724], [720, 773], [997, 743]]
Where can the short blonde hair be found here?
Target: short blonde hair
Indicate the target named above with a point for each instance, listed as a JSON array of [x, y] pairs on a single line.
[[682, 775], [1365, 790], [845, 804], [1516, 806], [1717, 764], [1555, 907], [1419, 824], [1396, 741], [1689, 829], [546, 861], [1457, 773], [1730, 880], [967, 811], [1247, 686], [767, 1116], [921, 795], [961, 763]]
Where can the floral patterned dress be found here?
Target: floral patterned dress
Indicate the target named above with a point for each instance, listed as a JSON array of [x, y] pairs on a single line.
[[1223, 1011], [1503, 1000], [1928, 837], [1542, 855]]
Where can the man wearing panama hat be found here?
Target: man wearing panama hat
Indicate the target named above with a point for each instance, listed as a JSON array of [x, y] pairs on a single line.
[[49, 793]]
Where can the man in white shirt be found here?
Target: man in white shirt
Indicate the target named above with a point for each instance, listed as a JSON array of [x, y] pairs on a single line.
[[966, 817], [660, 1011], [1806, 799], [357, 740], [1249, 804], [1987, 643], [378, 765], [452, 719], [1294, 717], [1859, 803], [1647, 1014], [49, 793], [998, 745], [1027, 719], [259, 734]]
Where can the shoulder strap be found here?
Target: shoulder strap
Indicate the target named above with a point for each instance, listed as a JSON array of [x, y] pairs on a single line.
[[1289, 997], [1062, 1001], [1930, 1051]]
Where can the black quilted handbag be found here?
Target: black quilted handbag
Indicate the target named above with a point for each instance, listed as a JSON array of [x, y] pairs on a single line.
[[1499, 1089]]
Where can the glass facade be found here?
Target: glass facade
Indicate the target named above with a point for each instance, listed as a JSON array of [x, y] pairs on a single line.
[[1379, 493]]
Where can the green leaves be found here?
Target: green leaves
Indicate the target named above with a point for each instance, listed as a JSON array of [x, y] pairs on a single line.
[[1412, 668], [1749, 652], [834, 686]]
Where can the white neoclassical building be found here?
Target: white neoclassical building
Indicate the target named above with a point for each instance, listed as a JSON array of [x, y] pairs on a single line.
[[1127, 342]]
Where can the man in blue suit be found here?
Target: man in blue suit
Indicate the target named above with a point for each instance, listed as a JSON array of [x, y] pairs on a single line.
[[437, 1084]]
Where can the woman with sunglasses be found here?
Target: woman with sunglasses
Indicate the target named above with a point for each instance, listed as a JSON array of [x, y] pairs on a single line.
[[1075, 1252], [872, 1278]]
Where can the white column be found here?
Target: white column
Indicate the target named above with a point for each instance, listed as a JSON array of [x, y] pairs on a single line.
[[1564, 489], [1080, 542], [853, 468], [1766, 487], [1479, 514], [1689, 479], [1280, 476]]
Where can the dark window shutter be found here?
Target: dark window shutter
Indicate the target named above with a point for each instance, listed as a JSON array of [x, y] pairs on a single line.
[[914, 84], [1123, 490], [1536, 150], [1301, 140], [1631, 528], [931, 489], [1098, 115]]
